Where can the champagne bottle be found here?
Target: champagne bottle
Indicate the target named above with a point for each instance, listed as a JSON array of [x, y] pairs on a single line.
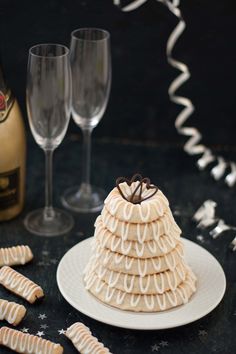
[[12, 154]]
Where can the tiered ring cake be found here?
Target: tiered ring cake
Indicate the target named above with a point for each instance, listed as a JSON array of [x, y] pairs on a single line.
[[138, 260]]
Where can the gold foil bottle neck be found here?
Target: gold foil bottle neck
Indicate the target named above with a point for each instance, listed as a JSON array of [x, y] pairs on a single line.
[[6, 102]]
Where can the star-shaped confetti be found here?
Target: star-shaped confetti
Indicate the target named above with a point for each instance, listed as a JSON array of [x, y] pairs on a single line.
[[54, 261], [40, 333], [42, 316], [45, 253], [25, 330], [155, 348], [61, 331], [202, 333], [163, 343], [44, 326], [200, 238]]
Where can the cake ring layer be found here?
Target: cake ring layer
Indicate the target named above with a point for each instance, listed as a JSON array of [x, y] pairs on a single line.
[[137, 266], [149, 249], [150, 284], [144, 303], [141, 232]]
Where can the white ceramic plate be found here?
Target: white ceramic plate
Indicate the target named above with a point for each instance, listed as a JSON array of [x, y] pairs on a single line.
[[210, 290]]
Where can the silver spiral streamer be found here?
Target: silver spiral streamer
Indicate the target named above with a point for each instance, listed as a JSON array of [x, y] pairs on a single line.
[[206, 218], [193, 145]]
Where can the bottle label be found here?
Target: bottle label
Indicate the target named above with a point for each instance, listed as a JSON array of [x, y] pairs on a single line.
[[9, 188]]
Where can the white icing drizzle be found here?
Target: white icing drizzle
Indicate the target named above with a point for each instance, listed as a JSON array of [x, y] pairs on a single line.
[[127, 213], [150, 305], [156, 262], [143, 263], [138, 254], [158, 288], [140, 251], [161, 282], [113, 279], [142, 231], [142, 286], [163, 244], [171, 264], [15, 255], [119, 258], [161, 299], [26, 343], [172, 297], [129, 288], [107, 257], [89, 281], [109, 293], [99, 285], [9, 311], [141, 237], [17, 282], [114, 201], [84, 341], [124, 229], [128, 263], [120, 297], [134, 302]]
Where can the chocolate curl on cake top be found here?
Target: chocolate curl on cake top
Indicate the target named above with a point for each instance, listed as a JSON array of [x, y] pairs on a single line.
[[136, 197]]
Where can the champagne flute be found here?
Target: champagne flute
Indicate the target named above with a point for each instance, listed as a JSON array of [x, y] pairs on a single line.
[[91, 81], [48, 97]]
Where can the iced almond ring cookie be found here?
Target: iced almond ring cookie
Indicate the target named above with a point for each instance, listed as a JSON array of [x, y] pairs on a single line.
[[150, 284], [15, 255], [27, 343], [84, 341], [140, 232], [12, 312], [20, 285], [135, 266], [148, 249], [147, 210], [144, 303]]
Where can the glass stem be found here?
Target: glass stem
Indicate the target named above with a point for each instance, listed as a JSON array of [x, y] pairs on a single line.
[[86, 187], [48, 210]]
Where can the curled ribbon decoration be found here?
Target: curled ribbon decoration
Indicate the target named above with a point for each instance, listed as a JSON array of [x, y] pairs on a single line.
[[193, 145], [205, 217]]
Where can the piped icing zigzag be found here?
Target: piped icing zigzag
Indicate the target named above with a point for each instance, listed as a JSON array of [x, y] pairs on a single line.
[[149, 210], [141, 232], [15, 255], [20, 285], [84, 341], [153, 248], [12, 312], [27, 343], [156, 283], [138, 302], [137, 266], [137, 260]]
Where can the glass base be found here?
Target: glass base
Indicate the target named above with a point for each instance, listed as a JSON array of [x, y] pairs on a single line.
[[59, 223], [84, 199]]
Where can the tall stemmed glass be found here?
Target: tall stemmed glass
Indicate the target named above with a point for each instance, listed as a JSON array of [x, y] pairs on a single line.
[[91, 78], [48, 98]]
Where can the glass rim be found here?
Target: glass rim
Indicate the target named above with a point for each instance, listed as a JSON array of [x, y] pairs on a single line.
[[67, 50], [106, 37]]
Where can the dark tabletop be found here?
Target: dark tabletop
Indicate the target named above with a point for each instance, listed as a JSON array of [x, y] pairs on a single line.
[[186, 188]]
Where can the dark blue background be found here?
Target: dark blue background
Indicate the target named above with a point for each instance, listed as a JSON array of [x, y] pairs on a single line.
[[139, 108]]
